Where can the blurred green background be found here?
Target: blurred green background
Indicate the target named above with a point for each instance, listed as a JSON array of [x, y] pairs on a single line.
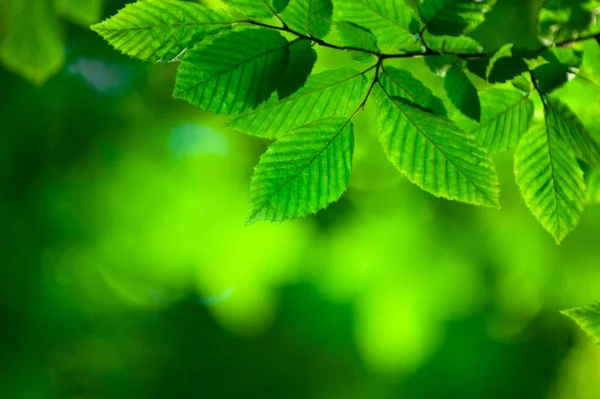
[[127, 271]]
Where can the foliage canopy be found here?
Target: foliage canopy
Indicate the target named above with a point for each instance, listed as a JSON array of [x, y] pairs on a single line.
[[253, 59]]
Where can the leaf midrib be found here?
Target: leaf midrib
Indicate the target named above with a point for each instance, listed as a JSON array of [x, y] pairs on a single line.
[[492, 201]]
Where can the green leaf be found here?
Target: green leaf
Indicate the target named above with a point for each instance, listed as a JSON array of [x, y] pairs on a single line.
[[389, 20], [258, 8], [352, 35], [550, 180], [31, 44], [523, 83], [452, 44], [561, 66], [462, 93], [571, 130], [434, 153], [507, 63], [439, 64], [400, 83], [309, 17], [588, 318], [505, 117], [303, 171], [235, 72], [82, 12], [159, 30], [453, 17], [301, 63], [561, 20], [336, 92], [593, 187]]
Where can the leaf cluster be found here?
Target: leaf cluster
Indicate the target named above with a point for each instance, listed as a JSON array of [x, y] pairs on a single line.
[[254, 59]]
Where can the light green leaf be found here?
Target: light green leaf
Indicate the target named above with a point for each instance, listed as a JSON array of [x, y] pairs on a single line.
[[588, 318], [301, 63], [336, 92], [434, 153], [159, 30], [550, 179], [235, 72], [389, 20], [452, 44], [571, 129], [31, 44], [258, 8], [593, 186], [453, 17], [400, 83], [309, 17], [352, 35], [303, 171], [505, 117], [82, 12], [462, 93]]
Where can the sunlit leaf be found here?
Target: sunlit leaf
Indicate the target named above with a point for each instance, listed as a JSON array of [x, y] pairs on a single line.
[[588, 318], [331, 93], [572, 131], [310, 17], [434, 153], [462, 93], [235, 72], [389, 20], [401, 83], [303, 171], [593, 186], [550, 179], [505, 117], [159, 30]]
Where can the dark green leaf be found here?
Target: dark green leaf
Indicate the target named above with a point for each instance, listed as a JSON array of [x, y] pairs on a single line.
[[235, 72], [159, 30], [439, 64], [303, 171], [561, 66], [462, 93], [331, 93], [310, 17], [302, 60], [453, 17]]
